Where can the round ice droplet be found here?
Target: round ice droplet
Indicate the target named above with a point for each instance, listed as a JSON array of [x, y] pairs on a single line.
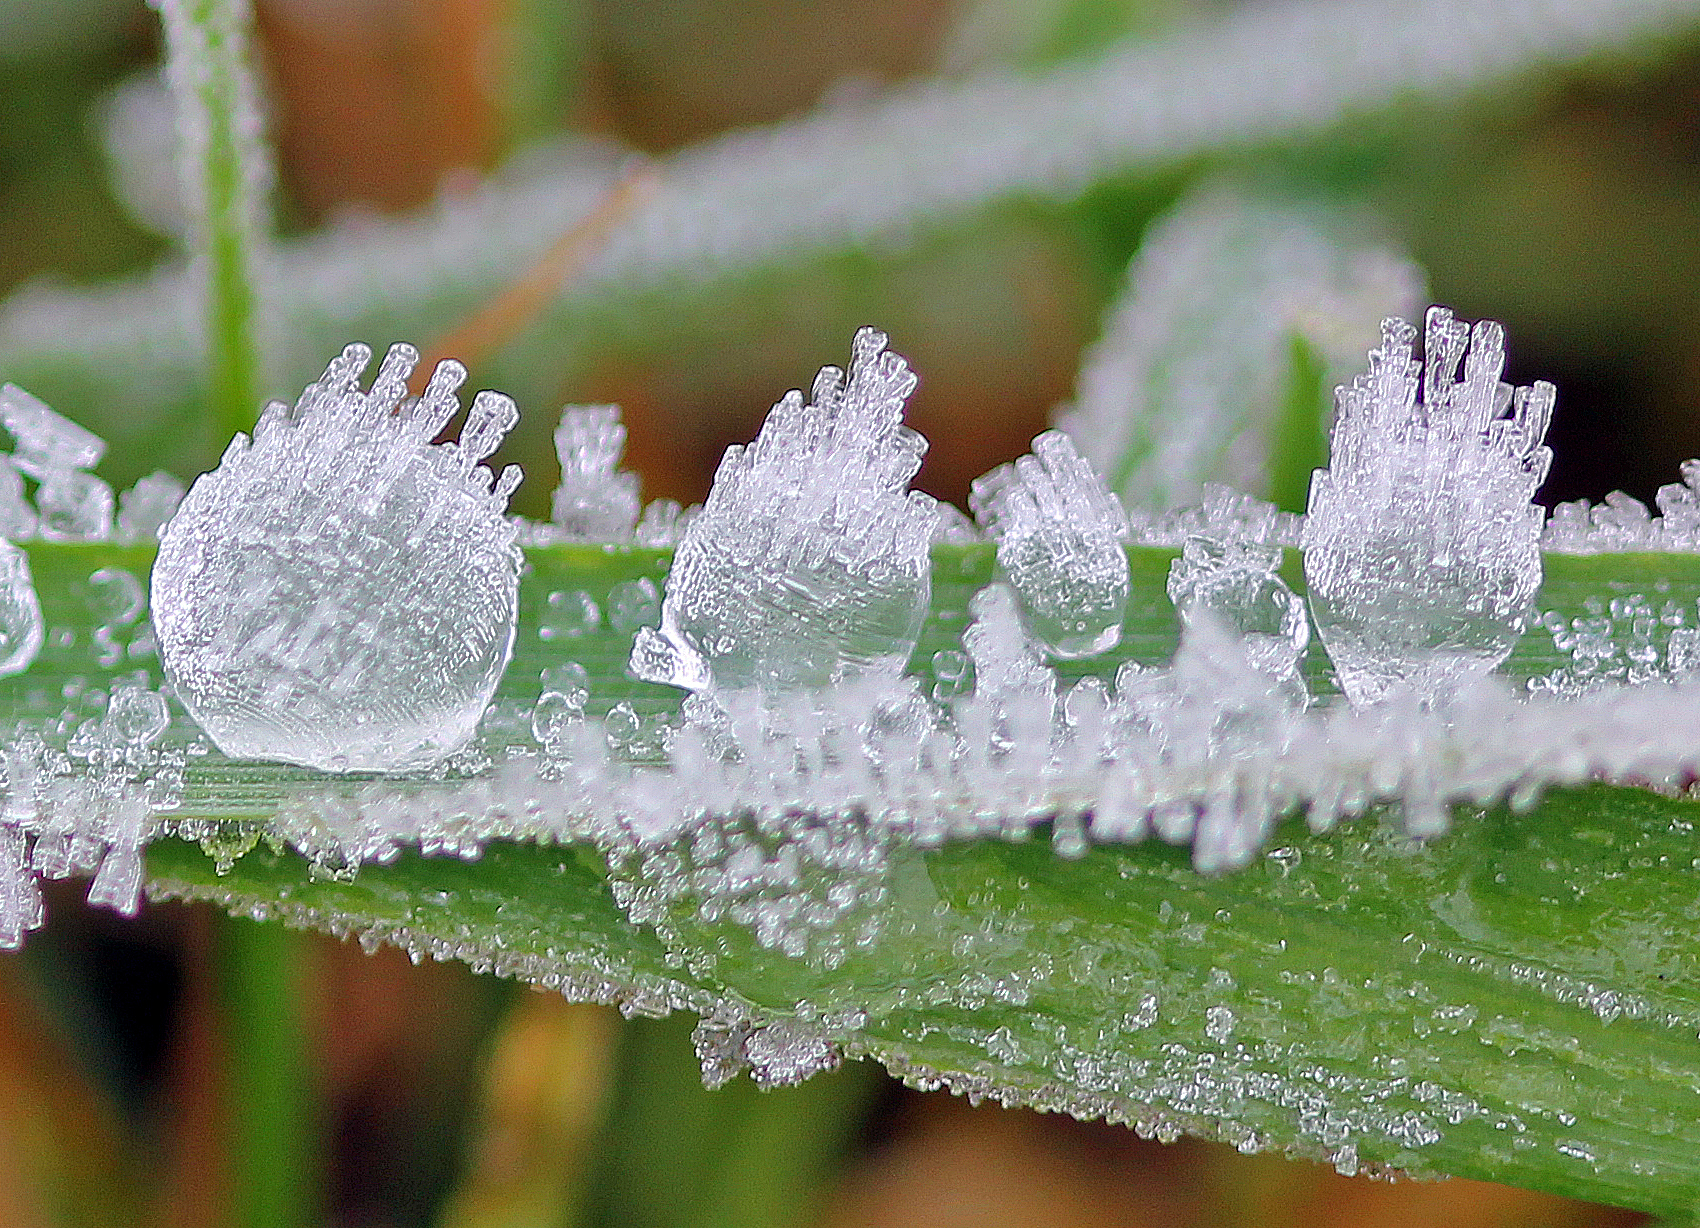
[[341, 592], [952, 672], [570, 680], [553, 716], [136, 716], [568, 615], [623, 726], [633, 604], [21, 630]]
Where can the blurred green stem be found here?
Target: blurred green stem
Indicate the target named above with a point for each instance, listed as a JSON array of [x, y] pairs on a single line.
[[1298, 440], [266, 1090], [675, 1155], [226, 178]]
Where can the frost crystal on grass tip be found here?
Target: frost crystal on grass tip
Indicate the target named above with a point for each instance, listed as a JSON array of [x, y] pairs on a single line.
[[71, 503], [340, 592], [1060, 536], [1422, 545], [809, 563], [595, 501]]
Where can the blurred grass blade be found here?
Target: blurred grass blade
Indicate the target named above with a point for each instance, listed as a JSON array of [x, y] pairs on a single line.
[[675, 1155], [1208, 363], [543, 1097], [227, 177], [854, 178]]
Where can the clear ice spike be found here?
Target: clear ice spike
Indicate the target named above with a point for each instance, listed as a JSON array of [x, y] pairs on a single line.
[[810, 562], [1239, 583], [1061, 540], [21, 627], [595, 501], [1422, 543], [340, 592]]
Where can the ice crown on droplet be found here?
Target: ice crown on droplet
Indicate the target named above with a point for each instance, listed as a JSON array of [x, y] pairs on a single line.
[[809, 562], [341, 592], [1422, 543]]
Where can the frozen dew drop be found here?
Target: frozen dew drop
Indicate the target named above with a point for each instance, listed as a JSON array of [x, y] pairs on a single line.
[[1061, 543], [595, 501], [570, 680], [810, 561], [1240, 584], [340, 592], [21, 628], [1422, 544], [553, 718], [632, 604], [568, 615]]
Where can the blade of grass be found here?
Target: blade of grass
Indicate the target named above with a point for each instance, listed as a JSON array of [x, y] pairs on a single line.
[[227, 180], [267, 1083]]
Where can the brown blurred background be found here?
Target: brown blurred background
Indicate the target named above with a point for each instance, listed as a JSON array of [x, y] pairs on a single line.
[[1569, 209]]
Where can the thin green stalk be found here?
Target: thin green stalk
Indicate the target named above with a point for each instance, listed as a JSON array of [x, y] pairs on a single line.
[[226, 178], [270, 1152], [1298, 437], [678, 1156]]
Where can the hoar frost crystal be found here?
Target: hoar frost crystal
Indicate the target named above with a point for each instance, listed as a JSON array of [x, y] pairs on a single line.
[[809, 562], [340, 592], [1422, 546]]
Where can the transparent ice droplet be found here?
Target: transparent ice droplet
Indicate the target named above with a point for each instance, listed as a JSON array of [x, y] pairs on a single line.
[[568, 614], [1061, 543], [633, 603], [810, 561], [1422, 543], [595, 500], [1240, 584], [21, 628], [341, 592]]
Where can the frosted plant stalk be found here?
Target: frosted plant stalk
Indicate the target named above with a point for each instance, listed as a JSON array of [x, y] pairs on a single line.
[[340, 592], [809, 562], [923, 155], [1061, 542], [595, 501], [1422, 545]]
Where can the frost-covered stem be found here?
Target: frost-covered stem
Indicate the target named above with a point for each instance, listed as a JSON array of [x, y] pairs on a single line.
[[272, 1176], [227, 176]]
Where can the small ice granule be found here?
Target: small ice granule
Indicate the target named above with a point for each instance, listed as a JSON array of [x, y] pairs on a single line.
[[595, 501], [1422, 545], [1061, 542], [341, 592], [1240, 583], [810, 561], [20, 612], [146, 507], [72, 504]]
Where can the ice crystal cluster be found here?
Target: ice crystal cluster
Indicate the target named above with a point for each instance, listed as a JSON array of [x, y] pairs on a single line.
[[341, 592], [1422, 543], [809, 562]]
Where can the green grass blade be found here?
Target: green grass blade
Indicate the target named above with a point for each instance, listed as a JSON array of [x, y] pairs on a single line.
[[227, 178], [1518, 1001]]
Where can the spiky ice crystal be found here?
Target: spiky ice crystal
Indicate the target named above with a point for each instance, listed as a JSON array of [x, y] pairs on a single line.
[[340, 592], [1061, 542], [809, 562], [596, 501], [1422, 543]]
